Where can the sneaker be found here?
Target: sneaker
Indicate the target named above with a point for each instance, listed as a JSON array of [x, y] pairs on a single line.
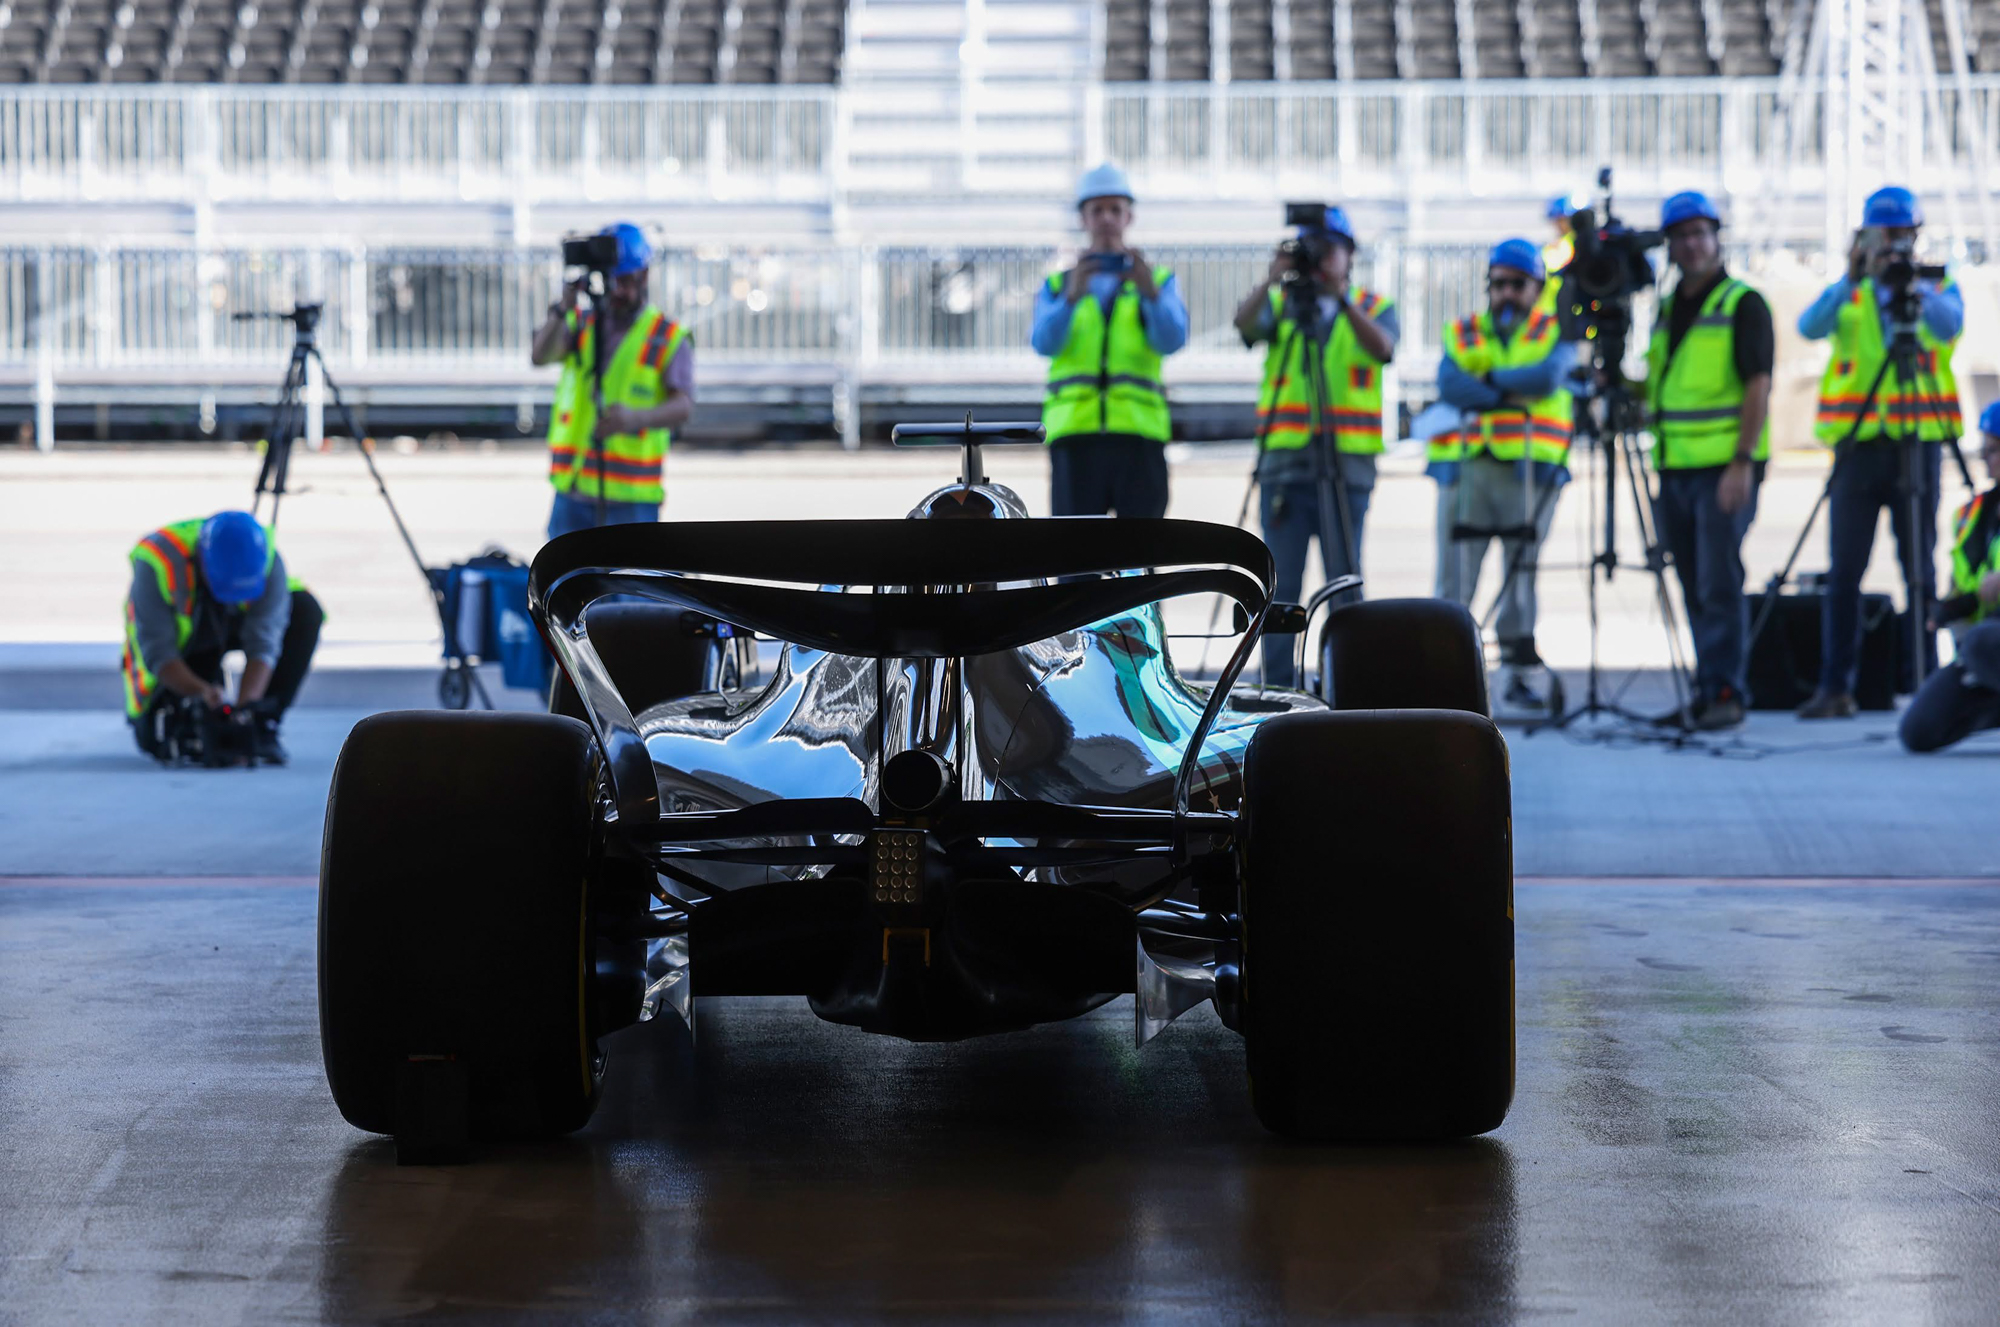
[[1681, 718], [1723, 712], [1829, 705], [264, 741]]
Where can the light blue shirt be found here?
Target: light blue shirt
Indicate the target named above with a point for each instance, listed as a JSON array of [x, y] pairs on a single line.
[[1164, 316], [1943, 311]]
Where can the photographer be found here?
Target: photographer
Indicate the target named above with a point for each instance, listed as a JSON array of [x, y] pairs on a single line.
[[1857, 312], [200, 589], [1106, 325], [648, 390], [1360, 329], [1500, 471], [1708, 392], [1964, 697]]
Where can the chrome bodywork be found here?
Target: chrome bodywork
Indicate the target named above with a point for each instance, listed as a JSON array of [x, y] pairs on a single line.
[[1095, 716]]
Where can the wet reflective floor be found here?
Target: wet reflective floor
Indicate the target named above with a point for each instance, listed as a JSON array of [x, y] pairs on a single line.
[[1736, 1104]]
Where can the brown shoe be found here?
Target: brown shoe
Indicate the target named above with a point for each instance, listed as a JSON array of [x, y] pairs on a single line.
[[1829, 705]]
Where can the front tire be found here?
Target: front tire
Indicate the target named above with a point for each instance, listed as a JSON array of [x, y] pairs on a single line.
[[1403, 654], [1378, 942], [454, 918]]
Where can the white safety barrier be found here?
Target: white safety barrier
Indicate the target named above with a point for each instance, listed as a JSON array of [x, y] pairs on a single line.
[[1386, 141]]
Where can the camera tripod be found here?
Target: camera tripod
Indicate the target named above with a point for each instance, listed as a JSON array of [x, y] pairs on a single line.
[[287, 417], [1618, 443], [1905, 359]]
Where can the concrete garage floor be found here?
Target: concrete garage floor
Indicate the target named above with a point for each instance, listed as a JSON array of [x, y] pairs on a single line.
[[1759, 1058], [1736, 1104]]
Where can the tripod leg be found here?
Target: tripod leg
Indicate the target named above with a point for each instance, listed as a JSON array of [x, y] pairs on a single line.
[[1242, 519], [381, 486]]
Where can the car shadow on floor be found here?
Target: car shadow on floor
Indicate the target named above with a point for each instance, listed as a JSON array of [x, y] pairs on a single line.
[[783, 1169]]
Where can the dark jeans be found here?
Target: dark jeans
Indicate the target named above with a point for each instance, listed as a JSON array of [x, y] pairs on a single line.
[[1099, 474], [1706, 544], [571, 512], [1868, 476], [287, 675], [1961, 698], [1290, 513]]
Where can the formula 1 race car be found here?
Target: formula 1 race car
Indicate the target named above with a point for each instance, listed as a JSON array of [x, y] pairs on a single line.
[[969, 793]]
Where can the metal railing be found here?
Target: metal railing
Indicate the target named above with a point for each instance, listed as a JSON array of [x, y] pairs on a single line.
[[446, 316], [290, 143], [1365, 140]]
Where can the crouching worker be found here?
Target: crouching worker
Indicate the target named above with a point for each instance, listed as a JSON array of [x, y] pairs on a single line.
[[1963, 697], [200, 589]]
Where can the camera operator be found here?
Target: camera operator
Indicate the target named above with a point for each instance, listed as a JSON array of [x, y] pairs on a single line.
[[1499, 473], [1708, 392], [1857, 312], [1964, 697], [1106, 325], [201, 588], [648, 390], [1556, 254], [1361, 331]]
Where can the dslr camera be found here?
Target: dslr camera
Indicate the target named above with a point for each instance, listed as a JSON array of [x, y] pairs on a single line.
[[188, 732], [596, 253], [1304, 253]]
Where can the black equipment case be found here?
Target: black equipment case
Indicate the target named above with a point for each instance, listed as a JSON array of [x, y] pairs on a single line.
[[1784, 658]]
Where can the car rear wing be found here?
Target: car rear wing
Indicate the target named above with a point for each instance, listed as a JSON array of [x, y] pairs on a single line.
[[885, 589]]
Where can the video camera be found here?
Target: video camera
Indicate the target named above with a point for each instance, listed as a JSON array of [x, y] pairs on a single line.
[[188, 732], [1609, 266], [304, 317], [595, 252], [1900, 274]]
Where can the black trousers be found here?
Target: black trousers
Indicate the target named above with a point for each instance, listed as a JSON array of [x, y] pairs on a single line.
[[289, 673], [1961, 698], [1099, 474]]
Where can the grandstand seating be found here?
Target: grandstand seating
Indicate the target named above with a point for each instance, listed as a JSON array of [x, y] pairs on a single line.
[[1285, 40], [421, 41]]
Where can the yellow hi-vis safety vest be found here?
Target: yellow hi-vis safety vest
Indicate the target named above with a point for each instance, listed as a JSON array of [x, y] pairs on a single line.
[[1556, 255], [1106, 377], [635, 376], [1696, 397], [1353, 384], [1970, 565], [170, 552], [1930, 404], [1542, 429]]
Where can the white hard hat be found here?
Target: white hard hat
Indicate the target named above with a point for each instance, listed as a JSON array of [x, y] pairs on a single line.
[[1105, 181]]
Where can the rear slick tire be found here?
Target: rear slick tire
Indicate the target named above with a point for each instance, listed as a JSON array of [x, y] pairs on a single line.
[[454, 918], [1378, 933]]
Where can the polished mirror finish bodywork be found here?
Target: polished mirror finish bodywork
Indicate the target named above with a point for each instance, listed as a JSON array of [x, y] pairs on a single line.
[[1032, 662]]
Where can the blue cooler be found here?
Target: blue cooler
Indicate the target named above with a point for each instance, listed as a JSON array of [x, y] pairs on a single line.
[[524, 660]]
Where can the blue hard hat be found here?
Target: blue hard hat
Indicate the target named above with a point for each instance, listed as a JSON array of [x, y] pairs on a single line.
[[1336, 224], [1105, 181], [1687, 206], [635, 253], [1563, 205], [1893, 206], [1989, 419], [235, 556], [1520, 255]]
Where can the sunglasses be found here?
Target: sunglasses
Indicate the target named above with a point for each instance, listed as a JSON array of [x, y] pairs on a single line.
[[1506, 283]]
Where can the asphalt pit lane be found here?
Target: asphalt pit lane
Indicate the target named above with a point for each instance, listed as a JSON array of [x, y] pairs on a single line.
[[1898, 1032], [1869, 999], [1662, 965]]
